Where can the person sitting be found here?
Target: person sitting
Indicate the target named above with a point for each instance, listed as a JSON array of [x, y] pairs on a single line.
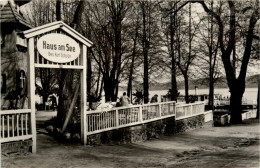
[[118, 103], [124, 100], [54, 102], [154, 99]]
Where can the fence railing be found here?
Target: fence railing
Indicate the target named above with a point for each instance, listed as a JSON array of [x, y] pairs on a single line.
[[189, 110], [105, 120], [15, 125]]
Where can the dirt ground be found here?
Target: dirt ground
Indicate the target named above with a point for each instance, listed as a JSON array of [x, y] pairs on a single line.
[[216, 147]]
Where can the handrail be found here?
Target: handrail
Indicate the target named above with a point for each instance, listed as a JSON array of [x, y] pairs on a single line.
[[196, 103], [127, 107], [112, 109], [15, 111], [16, 138], [151, 104]]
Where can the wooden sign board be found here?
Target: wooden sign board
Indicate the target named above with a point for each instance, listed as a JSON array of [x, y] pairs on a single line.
[[58, 48]]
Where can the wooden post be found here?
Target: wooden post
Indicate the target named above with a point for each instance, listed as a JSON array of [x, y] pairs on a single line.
[[140, 113], [191, 109], [203, 106], [169, 108], [174, 108], [160, 109], [31, 82], [83, 80], [3, 126], [117, 118]]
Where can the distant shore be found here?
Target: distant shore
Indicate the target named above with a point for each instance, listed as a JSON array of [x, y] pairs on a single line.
[[250, 93], [182, 88]]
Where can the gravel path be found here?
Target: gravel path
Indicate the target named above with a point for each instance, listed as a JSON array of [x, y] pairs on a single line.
[[216, 147]]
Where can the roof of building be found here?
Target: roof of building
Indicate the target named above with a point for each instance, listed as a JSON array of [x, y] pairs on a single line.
[[54, 26], [21, 2], [10, 15]]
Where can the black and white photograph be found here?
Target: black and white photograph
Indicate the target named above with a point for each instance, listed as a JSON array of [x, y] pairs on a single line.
[[130, 83]]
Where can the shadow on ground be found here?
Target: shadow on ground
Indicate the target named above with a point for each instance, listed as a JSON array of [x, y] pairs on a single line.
[[230, 146]]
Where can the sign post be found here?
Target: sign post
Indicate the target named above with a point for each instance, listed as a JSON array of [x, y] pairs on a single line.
[[59, 47]]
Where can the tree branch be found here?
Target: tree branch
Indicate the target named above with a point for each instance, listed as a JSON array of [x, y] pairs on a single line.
[[249, 39]]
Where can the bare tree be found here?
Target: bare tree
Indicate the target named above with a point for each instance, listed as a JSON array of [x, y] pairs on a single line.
[[208, 60], [151, 43], [169, 19], [107, 35], [145, 44], [235, 84], [68, 79], [186, 55], [134, 52]]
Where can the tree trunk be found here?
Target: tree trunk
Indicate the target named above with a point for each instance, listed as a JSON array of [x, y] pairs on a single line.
[[101, 87], [237, 91], [186, 81], [45, 76], [44, 98], [186, 77], [211, 81], [173, 67], [174, 82], [235, 107], [146, 80], [211, 94], [78, 15], [109, 88], [211, 63], [58, 10], [61, 98], [89, 79], [89, 73], [257, 106], [98, 82], [145, 44], [115, 94], [66, 87], [129, 86]]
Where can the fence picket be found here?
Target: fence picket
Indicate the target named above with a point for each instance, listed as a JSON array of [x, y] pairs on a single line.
[[22, 123], [3, 126], [26, 125], [117, 118], [12, 125], [8, 127], [17, 124]]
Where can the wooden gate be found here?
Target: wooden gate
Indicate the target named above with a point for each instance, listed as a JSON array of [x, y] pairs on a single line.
[[21, 124]]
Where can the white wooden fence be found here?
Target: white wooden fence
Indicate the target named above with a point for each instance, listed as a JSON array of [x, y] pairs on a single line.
[[16, 125], [105, 120], [189, 110]]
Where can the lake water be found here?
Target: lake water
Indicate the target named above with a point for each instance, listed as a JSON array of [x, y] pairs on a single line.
[[250, 93]]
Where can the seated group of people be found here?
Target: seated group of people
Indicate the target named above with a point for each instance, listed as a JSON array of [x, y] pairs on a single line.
[[125, 101]]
